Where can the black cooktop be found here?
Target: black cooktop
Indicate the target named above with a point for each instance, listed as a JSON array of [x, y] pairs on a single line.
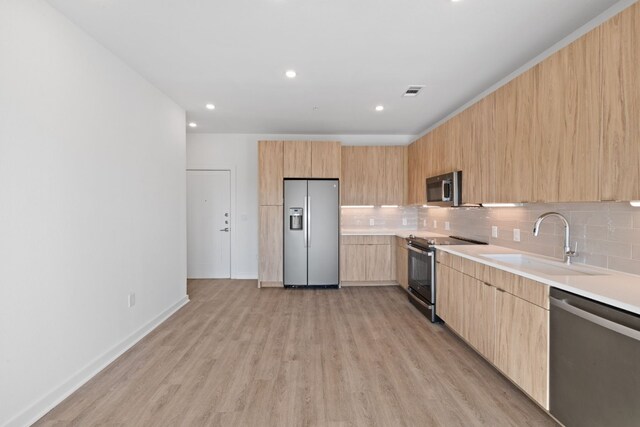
[[433, 241]]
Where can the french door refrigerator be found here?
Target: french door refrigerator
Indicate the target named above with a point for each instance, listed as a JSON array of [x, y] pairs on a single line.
[[311, 232]]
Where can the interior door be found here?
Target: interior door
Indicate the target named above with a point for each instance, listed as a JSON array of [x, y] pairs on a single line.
[[208, 224]]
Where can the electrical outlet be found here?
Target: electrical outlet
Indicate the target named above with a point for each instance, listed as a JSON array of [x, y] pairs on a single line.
[[516, 234], [404, 221], [447, 225], [132, 299], [424, 222], [372, 221], [435, 224], [494, 231]]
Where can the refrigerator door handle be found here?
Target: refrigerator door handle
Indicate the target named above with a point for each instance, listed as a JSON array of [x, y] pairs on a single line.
[[309, 221], [305, 222]]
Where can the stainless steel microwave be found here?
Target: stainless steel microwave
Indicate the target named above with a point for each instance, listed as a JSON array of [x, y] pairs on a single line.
[[445, 190]]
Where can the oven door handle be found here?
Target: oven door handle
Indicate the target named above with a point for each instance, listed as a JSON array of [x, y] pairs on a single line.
[[411, 248]]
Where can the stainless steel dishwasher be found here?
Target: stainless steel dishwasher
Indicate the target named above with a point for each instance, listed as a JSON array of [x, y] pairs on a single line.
[[594, 361]]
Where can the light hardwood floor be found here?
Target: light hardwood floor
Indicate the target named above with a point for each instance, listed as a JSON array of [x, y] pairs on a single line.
[[241, 356]]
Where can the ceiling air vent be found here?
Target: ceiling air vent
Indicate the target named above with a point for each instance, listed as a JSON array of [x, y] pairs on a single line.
[[413, 90]]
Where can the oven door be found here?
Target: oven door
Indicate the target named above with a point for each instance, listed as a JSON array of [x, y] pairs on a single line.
[[421, 273]]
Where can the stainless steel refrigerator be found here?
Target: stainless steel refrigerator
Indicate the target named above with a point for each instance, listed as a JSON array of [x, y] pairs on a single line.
[[311, 232]]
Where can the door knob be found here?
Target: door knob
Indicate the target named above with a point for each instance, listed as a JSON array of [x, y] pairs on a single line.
[[226, 229]]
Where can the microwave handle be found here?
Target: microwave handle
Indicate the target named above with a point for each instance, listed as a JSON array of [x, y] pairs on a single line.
[[446, 190]]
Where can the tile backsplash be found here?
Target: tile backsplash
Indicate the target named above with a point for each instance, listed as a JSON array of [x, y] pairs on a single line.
[[607, 234], [360, 219]]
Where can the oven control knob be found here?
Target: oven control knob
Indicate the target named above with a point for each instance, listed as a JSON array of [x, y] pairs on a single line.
[[411, 236], [431, 242]]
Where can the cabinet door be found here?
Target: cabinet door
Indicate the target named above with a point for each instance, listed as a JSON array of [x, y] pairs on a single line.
[[392, 188], [354, 173], [515, 139], [270, 244], [297, 159], [270, 172], [479, 317], [477, 141], [521, 351], [620, 145], [449, 304], [354, 267], [402, 263], [567, 123], [414, 192], [325, 159], [439, 151], [378, 263]]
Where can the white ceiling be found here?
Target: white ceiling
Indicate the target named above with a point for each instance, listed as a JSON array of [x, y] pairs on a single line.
[[350, 55]]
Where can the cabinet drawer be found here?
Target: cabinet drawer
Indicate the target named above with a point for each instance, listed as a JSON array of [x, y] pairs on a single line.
[[529, 290], [444, 258], [366, 240]]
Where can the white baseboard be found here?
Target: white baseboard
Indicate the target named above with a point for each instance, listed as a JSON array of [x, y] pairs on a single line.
[[245, 276], [43, 405]]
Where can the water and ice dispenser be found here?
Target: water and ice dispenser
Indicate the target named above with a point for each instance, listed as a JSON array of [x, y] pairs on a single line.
[[295, 218]]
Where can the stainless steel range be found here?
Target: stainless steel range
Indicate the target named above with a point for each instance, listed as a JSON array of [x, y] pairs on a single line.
[[422, 270]]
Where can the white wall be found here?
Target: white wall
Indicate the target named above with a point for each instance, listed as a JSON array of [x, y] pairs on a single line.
[[92, 207], [239, 153]]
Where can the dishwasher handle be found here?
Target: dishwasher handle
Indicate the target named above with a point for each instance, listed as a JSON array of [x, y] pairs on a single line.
[[563, 304]]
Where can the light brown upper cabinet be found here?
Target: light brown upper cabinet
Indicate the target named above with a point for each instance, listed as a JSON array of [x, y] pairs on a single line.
[[356, 188], [373, 175], [394, 178], [477, 144], [416, 184], [270, 172], [307, 159], [515, 139], [620, 146], [325, 159], [567, 127], [297, 159]]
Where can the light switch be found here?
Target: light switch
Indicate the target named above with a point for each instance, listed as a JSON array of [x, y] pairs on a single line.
[[516, 234], [447, 225], [435, 224], [494, 231]]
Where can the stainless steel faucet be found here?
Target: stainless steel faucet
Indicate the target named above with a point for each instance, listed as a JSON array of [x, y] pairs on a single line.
[[568, 253]]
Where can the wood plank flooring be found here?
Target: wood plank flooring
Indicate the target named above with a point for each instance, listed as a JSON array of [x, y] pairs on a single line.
[[241, 356]]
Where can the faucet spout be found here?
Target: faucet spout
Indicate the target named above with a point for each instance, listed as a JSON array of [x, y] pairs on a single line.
[[568, 253]]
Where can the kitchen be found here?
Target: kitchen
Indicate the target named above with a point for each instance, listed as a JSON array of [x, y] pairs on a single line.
[[472, 264]]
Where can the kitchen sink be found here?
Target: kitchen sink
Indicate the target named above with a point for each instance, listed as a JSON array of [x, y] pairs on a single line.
[[542, 266]]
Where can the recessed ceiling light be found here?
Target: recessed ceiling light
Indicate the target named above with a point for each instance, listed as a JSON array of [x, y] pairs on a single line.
[[290, 73], [379, 108], [193, 125], [455, 1], [210, 107]]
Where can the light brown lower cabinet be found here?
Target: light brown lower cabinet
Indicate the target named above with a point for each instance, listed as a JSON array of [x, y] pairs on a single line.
[[509, 331], [402, 262], [522, 344], [479, 322], [270, 246], [450, 285], [353, 265], [367, 259]]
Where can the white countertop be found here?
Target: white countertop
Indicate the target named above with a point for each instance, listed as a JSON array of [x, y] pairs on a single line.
[[399, 233], [611, 287]]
